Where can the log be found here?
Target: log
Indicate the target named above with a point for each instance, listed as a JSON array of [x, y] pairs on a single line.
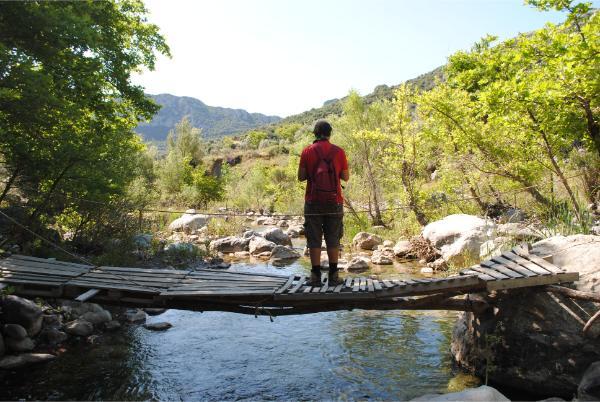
[[572, 293]]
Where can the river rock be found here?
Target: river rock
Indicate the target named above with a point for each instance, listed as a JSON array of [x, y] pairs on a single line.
[[53, 320], [158, 326], [19, 345], [155, 311], [97, 318], [266, 221], [229, 244], [539, 345], [479, 394], [180, 247], [260, 245], [15, 331], [426, 271], [283, 223], [283, 253], [402, 249], [382, 257], [277, 236], [189, 222], [388, 244], [25, 359], [459, 237], [53, 336], [295, 231], [366, 241], [589, 387], [16, 310], [135, 316], [357, 264], [248, 234], [79, 327]]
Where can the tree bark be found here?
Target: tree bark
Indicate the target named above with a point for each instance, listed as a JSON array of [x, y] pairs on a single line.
[[9, 184], [412, 201]]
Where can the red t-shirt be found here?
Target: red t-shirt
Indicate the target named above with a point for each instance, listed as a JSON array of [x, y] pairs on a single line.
[[309, 160]]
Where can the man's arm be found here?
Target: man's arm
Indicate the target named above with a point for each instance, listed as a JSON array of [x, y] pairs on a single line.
[[302, 173], [345, 175]]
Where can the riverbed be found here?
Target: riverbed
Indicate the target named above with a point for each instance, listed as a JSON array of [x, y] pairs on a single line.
[[387, 355]]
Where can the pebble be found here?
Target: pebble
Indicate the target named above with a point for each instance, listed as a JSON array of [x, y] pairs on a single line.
[[158, 326]]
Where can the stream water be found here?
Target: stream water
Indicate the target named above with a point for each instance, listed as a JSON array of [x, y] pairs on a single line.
[[387, 355]]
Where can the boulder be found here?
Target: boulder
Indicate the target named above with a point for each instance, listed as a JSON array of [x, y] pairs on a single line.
[[382, 257], [366, 241], [135, 316], [260, 245], [53, 336], [519, 231], [537, 344], [438, 265], [402, 249], [283, 253], [357, 264], [241, 254], [589, 387], [79, 327], [459, 237], [15, 331], [53, 320], [19, 345], [479, 394], [180, 247], [25, 359], [229, 244], [388, 244], [277, 236], [189, 222], [16, 310], [97, 318], [295, 231], [248, 234], [158, 326]]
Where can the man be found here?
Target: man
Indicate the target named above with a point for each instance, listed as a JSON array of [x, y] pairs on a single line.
[[323, 164]]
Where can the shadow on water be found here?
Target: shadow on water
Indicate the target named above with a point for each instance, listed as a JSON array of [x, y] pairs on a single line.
[[226, 356]]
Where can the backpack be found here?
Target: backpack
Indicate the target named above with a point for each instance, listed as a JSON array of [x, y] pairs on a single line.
[[324, 179]]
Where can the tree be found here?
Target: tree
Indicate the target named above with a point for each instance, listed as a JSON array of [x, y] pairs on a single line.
[[67, 103]]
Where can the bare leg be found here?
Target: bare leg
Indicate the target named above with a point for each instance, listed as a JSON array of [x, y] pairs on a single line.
[[333, 254], [315, 256]]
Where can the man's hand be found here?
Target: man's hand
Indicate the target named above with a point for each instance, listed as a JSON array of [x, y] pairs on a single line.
[[302, 174]]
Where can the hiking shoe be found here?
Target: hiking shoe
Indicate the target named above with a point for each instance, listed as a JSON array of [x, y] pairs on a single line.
[[315, 278], [334, 278]]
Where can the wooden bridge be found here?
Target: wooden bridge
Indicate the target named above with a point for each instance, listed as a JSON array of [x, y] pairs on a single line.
[[220, 290]]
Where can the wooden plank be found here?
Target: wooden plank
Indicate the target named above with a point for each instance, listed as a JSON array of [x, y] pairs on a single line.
[[287, 285], [527, 264], [348, 282], [515, 267], [526, 282], [376, 284], [538, 260], [208, 293], [45, 260], [325, 287], [43, 265], [501, 268], [485, 277], [39, 278], [388, 284], [406, 282], [103, 285], [107, 276], [23, 268], [363, 283], [308, 289], [87, 295], [29, 281], [370, 286], [490, 272], [468, 283], [316, 289], [136, 271], [298, 285], [338, 288], [355, 285]]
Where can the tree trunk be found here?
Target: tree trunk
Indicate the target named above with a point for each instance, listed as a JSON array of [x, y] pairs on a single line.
[[377, 220], [9, 184], [48, 194], [593, 127], [412, 201]]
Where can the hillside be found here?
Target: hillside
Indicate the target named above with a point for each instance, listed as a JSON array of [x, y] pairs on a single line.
[[334, 106], [214, 121]]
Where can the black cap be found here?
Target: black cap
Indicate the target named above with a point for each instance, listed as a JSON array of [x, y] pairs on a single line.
[[322, 129]]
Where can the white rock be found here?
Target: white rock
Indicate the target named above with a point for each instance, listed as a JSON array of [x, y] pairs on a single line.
[[366, 241], [382, 257], [519, 231], [577, 253], [357, 264], [388, 244], [402, 249], [79, 327], [189, 222], [427, 270], [480, 394], [22, 360], [136, 316], [260, 245], [459, 236], [229, 244], [283, 253]]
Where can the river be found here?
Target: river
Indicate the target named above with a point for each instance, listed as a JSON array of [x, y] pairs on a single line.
[[387, 355]]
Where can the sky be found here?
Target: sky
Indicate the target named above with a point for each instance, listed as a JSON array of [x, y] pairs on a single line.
[[282, 57]]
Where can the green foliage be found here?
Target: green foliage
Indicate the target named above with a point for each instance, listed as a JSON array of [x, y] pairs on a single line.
[[254, 138]]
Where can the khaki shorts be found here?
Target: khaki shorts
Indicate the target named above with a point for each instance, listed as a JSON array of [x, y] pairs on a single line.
[[330, 223]]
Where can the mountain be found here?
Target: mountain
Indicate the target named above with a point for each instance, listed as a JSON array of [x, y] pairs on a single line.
[[330, 107], [214, 121]]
